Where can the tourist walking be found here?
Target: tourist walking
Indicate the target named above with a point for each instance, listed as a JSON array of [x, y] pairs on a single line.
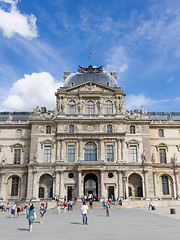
[[150, 204], [107, 208], [65, 206], [13, 210], [31, 216], [42, 211], [84, 212], [18, 209], [91, 204], [59, 207]]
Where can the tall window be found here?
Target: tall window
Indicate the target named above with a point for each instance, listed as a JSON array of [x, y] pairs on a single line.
[[15, 186], [132, 129], [109, 107], [47, 153], [90, 152], [17, 156], [161, 133], [90, 108], [71, 128], [71, 153], [41, 192], [110, 153], [133, 153], [109, 128], [72, 107], [90, 183], [19, 133], [48, 129], [165, 185], [162, 153]]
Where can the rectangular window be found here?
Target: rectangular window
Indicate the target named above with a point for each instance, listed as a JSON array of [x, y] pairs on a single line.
[[17, 156], [48, 129], [109, 128], [110, 153], [19, 133], [162, 153], [47, 153], [71, 153], [15, 186], [71, 128], [165, 185], [133, 153]]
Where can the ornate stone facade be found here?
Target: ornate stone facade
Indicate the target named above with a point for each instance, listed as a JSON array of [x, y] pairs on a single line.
[[89, 144]]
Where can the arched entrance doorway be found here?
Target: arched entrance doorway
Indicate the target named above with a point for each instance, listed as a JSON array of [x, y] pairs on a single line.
[[91, 185], [135, 185], [46, 186]]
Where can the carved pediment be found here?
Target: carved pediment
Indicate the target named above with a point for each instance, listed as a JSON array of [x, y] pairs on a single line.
[[17, 145], [47, 142], [161, 145]]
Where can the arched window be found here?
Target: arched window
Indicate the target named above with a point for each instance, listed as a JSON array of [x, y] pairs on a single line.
[[19, 133], [132, 129], [15, 186], [90, 108], [165, 185], [109, 107], [72, 107], [161, 133], [90, 152]]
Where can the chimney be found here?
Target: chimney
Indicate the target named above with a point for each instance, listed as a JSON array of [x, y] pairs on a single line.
[[66, 74], [114, 75]]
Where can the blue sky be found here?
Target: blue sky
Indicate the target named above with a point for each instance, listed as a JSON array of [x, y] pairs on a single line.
[[140, 40]]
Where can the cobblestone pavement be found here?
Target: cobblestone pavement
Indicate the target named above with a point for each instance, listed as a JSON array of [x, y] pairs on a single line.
[[122, 224]]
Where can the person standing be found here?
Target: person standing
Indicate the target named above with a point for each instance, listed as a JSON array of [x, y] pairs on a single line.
[[31, 216], [84, 212], [107, 208], [42, 212], [150, 204], [91, 204], [65, 206], [13, 209], [59, 207]]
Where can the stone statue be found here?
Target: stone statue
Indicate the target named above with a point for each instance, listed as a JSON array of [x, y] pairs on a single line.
[[35, 156], [144, 157], [153, 157], [143, 110], [174, 158], [80, 105], [37, 110]]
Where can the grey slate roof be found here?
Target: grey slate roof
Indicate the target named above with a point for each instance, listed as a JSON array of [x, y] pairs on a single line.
[[164, 116], [16, 116]]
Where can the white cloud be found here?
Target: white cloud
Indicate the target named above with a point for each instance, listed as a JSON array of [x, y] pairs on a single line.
[[137, 101], [33, 90], [12, 22], [177, 99], [170, 79]]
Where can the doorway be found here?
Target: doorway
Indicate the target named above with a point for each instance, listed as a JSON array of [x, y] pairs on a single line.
[[91, 185]]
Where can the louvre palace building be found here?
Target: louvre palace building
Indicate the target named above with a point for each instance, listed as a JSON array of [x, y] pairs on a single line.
[[90, 143]]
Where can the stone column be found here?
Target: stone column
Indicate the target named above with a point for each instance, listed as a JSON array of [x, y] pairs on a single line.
[[77, 151], [176, 183], [145, 184], [58, 150], [57, 182], [118, 150], [61, 192], [79, 185], [3, 186], [174, 189], [102, 150], [122, 149], [102, 186], [35, 185], [30, 183]]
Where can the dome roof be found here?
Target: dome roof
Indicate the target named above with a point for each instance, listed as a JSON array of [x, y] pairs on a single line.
[[90, 74]]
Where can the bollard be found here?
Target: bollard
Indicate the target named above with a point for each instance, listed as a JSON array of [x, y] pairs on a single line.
[[172, 211]]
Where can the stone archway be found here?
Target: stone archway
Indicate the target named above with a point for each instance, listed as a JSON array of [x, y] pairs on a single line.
[[135, 186], [91, 185], [46, 186]]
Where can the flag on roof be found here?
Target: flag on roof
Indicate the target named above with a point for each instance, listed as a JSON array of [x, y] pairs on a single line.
[[90, 55]]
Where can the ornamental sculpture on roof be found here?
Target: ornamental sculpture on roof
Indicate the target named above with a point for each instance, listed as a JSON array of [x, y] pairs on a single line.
[[90, 69]]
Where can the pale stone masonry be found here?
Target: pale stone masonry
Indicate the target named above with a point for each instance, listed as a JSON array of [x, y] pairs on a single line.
[[89, 143]]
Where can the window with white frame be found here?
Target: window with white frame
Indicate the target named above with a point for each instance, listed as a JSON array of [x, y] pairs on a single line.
[[17, 156], [19, 133], [109, 107], [110, 153], [71, 153], [90, 152], [133, 153], [90, 108], [72, 107], [47, 153]]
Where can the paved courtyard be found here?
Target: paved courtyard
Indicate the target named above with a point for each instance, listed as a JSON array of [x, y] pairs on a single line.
[[122, 224]]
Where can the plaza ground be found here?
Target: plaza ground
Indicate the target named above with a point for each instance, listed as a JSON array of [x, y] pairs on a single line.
[[123, 223]]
